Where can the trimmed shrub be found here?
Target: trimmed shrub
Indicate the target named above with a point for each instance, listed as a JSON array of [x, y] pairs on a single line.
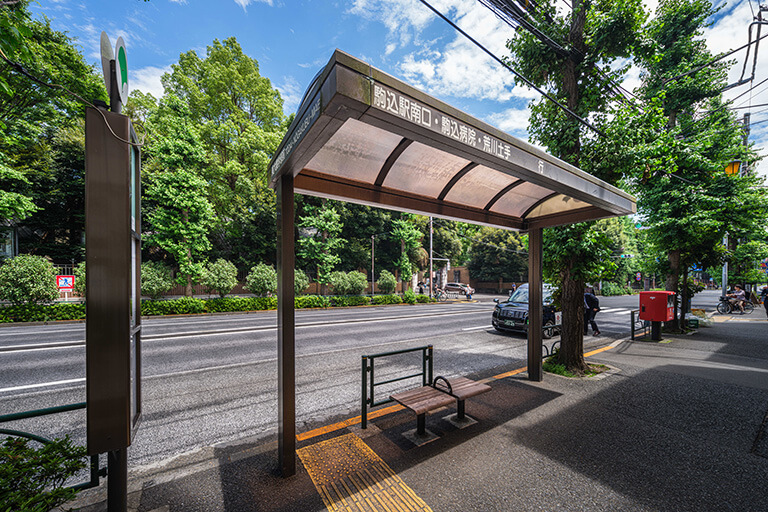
[[349, 300], [233, 304], [387, 283], [42, 312], [312, 301], [409, 297], [348, 283], [33, 479], [220, 277], [182, 306], [379, 300], [155, 279], [28, 279], [300, 282], [80, 279], [262, 280], [424, 299]]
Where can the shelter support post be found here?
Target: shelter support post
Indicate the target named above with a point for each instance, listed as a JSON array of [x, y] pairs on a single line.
[[535, 303], [286, 328]]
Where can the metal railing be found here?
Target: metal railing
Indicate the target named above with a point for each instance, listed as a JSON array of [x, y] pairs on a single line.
[[95, 471], [643, 326], [369, 383]]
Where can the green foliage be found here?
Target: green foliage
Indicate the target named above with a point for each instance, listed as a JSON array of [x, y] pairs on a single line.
[[405, 232], [262, 280], [312, 301], [28, 279], [155, 279], [348, 283], [234, 304], [409, 297], [42, 312], [498, 254], [579, 251], [425, 299], [322, 227], [32, 479], [387, 282], [349, 300], [611, 289], [220, 276], [180, 217], [379, 300], [300, 281], [181, 306], [80, 284]]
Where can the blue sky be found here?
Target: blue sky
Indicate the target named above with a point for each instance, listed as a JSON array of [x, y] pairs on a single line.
[[293, 39]]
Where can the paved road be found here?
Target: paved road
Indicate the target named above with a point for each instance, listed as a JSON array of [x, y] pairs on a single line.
[[212, 379]]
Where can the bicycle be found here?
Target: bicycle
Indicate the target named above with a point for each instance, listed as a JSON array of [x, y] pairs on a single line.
[[725, 307], [440, 295]]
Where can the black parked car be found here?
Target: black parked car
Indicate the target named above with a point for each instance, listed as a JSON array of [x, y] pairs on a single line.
[[512, 314]]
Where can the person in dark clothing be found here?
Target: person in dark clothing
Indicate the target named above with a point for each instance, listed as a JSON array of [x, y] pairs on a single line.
[[764, 298], [591, 307]]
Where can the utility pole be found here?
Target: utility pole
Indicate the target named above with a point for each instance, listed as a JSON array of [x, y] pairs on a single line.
[[431, 275]]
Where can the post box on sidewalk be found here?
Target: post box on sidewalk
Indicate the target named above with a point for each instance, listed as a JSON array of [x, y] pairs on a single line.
[[657, 306]]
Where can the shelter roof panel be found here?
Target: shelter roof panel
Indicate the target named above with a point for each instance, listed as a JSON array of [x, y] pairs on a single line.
[[479, 186], [423, 170], [363, 136]]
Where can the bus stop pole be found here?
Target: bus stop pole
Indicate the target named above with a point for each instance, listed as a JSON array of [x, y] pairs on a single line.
[[286, 328], [117, 480], [535, 303]]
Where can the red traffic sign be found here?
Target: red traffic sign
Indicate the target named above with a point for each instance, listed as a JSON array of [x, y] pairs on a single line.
[[65, 282]]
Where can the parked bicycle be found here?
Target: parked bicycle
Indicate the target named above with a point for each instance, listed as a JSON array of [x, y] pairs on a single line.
[[727, 306]]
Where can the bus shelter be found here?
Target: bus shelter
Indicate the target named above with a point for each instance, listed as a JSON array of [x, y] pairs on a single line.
[[365, 137]]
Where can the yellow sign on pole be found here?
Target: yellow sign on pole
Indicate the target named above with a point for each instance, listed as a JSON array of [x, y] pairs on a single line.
[[732, 168]]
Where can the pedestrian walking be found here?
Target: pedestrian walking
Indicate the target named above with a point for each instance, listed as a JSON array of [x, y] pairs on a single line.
[[764, 298], [591, 307]]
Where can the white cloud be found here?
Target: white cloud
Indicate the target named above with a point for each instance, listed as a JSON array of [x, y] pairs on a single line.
[[291, 92], [147, 80], [514, 121], [246, 3], [459, 68]]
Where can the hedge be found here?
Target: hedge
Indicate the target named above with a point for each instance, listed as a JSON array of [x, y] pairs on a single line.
[[191, 305]]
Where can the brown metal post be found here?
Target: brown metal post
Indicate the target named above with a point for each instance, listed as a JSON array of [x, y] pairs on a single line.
[[535, 303], [286, 328]]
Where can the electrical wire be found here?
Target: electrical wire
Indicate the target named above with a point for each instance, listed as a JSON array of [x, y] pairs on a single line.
[[515, 72], [696, 70], [20, 69], [518, 16]]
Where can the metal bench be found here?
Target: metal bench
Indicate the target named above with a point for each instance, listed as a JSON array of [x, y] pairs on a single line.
[[442, 392]]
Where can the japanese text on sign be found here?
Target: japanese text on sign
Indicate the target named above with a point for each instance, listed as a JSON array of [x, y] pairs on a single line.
[[406, 108], [298, 134]]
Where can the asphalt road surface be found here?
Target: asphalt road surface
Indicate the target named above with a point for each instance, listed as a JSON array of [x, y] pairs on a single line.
[[212, 379]]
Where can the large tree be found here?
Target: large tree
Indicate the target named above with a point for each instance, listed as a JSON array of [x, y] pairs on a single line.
[[686, 136], [570, 56], [32, 113]]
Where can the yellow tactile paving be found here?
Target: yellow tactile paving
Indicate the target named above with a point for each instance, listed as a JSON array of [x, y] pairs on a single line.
[[350, 477]]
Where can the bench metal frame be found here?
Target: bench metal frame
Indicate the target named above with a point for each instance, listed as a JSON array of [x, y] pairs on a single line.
[[369, 383]]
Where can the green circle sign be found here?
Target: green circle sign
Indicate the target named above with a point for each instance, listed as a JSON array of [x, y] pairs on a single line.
[[121, 69]]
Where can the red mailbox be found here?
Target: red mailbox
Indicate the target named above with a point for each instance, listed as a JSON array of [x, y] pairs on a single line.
[[657, 306]]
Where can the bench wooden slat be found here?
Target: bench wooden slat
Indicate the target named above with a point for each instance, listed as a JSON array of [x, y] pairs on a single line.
[[423, 399], [462, 387]]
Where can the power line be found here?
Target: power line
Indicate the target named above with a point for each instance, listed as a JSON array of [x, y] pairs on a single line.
[[512, 14], [696, 70], [512, 70]]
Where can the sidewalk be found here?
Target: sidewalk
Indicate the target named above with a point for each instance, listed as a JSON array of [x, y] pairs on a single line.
[[679, 425]]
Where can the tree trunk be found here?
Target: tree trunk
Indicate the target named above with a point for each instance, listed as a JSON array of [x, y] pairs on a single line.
[[572, 330]]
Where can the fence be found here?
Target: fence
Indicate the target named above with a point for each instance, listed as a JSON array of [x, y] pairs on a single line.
[[369, 382]]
